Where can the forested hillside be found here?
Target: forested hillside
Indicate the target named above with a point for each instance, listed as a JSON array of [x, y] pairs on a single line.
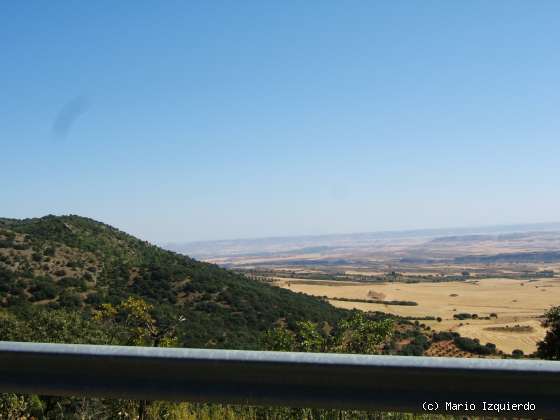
[[69, 263]]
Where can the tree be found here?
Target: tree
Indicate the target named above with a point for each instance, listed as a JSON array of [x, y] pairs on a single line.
[[39, 324], [132, 323], [517, 353], [279, 339], [305, 337], [549, 348], [357, 334], [14, 406]]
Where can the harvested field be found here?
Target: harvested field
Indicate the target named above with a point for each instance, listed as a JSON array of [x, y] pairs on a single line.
[[514, 302], [506, 341]]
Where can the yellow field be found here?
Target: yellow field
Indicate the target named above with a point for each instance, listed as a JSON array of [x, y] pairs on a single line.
[[514, 301]]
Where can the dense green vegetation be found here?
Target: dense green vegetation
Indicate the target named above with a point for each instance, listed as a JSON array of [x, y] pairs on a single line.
[[473, 345], [357, 334], [72, 262], [132, 322]]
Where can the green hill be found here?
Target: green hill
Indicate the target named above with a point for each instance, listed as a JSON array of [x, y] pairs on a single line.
[[75, 263]]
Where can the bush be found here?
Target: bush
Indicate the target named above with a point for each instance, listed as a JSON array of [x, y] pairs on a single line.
[[42, 288], [417, 346], [69, 300], [93, 299], [517, 353], [50, 251], [66, 282], [465, 316], [444, 336], [491, 347], [474, 346], [7, 282]]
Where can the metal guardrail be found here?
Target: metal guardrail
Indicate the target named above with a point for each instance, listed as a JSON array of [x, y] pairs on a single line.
[[387, 383]]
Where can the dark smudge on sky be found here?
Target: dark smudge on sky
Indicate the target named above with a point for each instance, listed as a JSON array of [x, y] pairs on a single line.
[[68, 115]]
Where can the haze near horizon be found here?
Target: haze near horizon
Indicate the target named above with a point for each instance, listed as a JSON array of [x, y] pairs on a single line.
[[188, 122]]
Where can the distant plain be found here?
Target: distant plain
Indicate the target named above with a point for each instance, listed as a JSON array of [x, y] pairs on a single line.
[[507, 276]]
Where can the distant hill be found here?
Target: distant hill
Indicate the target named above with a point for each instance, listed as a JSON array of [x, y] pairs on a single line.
[[73, 262], [349, 243], [513, 257]]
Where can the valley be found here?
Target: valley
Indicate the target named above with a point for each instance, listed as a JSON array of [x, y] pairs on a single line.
[[492, 283]]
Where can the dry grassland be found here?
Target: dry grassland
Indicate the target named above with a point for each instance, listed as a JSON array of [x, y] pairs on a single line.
[[514, 301]]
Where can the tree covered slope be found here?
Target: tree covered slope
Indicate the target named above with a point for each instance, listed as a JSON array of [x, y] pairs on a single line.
[[75, 263]]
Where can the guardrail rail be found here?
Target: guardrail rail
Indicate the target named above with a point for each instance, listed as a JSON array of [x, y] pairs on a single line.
[[384, 383]]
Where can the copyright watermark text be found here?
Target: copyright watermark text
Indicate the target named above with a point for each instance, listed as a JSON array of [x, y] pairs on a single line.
[[488, 406]]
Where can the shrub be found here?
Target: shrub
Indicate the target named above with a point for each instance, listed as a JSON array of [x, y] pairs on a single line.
[[66, 282], [69, 300], [50, 251], [464, 316], [444, 336], [517, 353], [93, 299], [43, 288], [474, 346], [416, 347]]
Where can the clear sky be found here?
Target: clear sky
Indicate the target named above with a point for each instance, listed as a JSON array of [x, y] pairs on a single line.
[[184, 120]]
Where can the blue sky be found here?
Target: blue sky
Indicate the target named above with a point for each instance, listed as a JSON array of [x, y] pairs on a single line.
[[180, 121]]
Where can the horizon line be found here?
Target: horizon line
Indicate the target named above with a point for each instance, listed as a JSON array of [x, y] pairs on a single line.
[[412, 230]]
